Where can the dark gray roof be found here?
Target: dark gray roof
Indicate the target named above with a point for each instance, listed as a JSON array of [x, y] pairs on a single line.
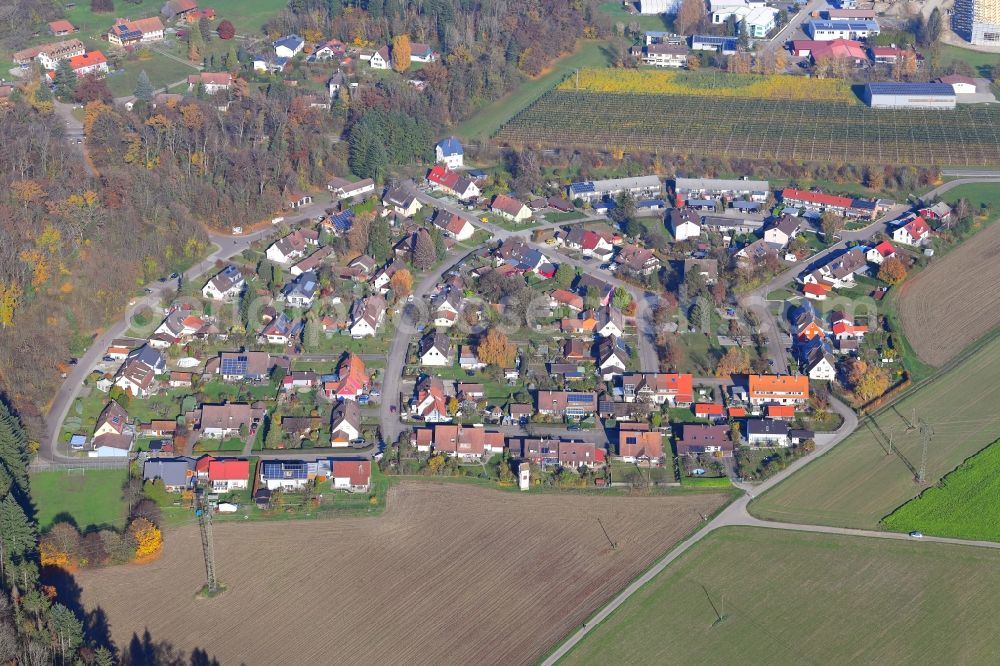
[[767, 427]]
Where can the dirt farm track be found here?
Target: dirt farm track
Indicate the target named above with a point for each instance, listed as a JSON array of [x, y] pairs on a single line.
[[955, 301], [450, 574]]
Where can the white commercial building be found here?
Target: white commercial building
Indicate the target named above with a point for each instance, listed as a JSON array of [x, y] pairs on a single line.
[[641, 187]]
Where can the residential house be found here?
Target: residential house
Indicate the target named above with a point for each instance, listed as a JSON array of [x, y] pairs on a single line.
[[570, 455], [420, 52], [446, 307], [136, 378], [590, 243], [429, 402], [222, 421], [640, 447], [879, 253], [610, 321], [589, 286], [352, 475], [808, 324], [709, 410], [49, 55], [210, 82], [637, 259], [301, 292], [509, 208], [345, 422], [524, 258], [61, 27], [454, 226], [765, 433], [468, 359], [696, 439], [311, 263], [350, 381], [333, 49], [571, 404], [664, 55], [92, 62], [659, 388], [226, 474], [129, 33], [449, 152], [939, 212], [180, 379], [563, 297], [278, 331], [593, 191], [843, 327], [400, 201], [113, 435], [284, 474], [463, 442], [612, 357], [288, 46], [820, 365], [820, 203], [245, 366], [782, 412], [227, 285], [782, 230], [176, 474], [684, 223], [756, 253], [383, 277], [451, 182], [435, 349], [293, 246], [707, 268], [363, 262], [177, 326], [178, 8], [827, 30], [346, 189], [839, 272], [367, 315], [914, 232], [573, 350], [380, 59], [779, 389]]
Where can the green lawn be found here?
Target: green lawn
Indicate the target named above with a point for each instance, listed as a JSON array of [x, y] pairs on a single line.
[[91, 499], [618, 14], [560, 216], [860, 482], [955, 507], [982, 63], [800, 598], [977, 194], [488, 120], [160, 69]]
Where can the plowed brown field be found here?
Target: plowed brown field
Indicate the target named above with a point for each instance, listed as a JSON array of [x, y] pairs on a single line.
[[450, 574], [955, 301]]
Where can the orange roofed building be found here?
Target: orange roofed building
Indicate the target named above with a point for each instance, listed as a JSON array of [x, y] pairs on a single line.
[[460, 441], [779, 389]]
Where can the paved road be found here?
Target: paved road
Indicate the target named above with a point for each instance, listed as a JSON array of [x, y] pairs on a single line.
[[790, 29], [225, 247], [74, 133]]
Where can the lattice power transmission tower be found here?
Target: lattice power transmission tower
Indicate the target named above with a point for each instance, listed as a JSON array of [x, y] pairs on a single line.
[[926, 434], [204, 514]]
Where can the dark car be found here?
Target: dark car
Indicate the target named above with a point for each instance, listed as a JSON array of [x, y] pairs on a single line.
[[573, 427]]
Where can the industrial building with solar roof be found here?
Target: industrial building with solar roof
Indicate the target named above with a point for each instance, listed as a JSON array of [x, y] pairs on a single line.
[[937, 96]]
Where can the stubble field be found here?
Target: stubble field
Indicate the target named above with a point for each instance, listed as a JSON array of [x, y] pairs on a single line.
[[449, 574], [943, 311], [789, 597]]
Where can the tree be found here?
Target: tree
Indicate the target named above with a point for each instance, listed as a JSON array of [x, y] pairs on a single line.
[[893, 271], [690, 16], [527, 171], [143, 88], [496, 349], [232, 60], [65, 81], [424, 255], [401, 53], [564, 276], [67, 630], [872, 384], [401, 283], [929, 32], [831, 224], [205, 28], [621, 298], [380, 240], [92, 89], [440, 249], [226, 29], [196, 45], [145, 538], [735, 361], [18, 535], [357, 236]]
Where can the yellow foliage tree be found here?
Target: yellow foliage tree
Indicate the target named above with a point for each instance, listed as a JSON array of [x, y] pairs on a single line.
[[734, 362], [39, 264], [401, 53], [145, 537], [10, 296], [892, 271], [401, 283], [496, 349]]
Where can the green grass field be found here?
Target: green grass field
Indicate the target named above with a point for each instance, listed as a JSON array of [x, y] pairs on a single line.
[[978, 194], [955, 507], [800, 598], [91, 499], [982, 63], [616, 10], [161, 70], [488, 120], [859, 482]]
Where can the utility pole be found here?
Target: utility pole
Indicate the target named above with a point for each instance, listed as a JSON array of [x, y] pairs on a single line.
[[927, 433], [207, 542]]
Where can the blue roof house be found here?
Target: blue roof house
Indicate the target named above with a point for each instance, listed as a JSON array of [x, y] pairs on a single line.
[[449, 152]]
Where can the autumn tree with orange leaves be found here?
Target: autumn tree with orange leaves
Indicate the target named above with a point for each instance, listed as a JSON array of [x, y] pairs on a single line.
[[145, 538]]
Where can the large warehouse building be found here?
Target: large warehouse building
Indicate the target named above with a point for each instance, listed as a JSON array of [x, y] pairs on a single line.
[[659, 6], [978, 21], [910, 96], [640, 187]]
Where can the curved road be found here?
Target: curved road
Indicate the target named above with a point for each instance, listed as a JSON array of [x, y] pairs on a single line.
[[225, 247]]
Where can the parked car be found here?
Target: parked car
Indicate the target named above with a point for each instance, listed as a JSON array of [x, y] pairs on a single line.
[[108, 359], [916, 535], [573, 428]]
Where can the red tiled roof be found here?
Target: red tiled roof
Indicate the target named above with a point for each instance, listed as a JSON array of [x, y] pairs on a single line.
[[229, 470], [61, 26], [708, 409], [816, 289], [87, 60], [780, 411], [358, 471], [815, 197]]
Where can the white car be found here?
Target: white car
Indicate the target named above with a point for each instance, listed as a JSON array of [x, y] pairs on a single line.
[[916, 535], [237, 231]]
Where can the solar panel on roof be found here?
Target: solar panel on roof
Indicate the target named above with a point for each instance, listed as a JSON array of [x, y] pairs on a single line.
[[578, 398], [892, 88]]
